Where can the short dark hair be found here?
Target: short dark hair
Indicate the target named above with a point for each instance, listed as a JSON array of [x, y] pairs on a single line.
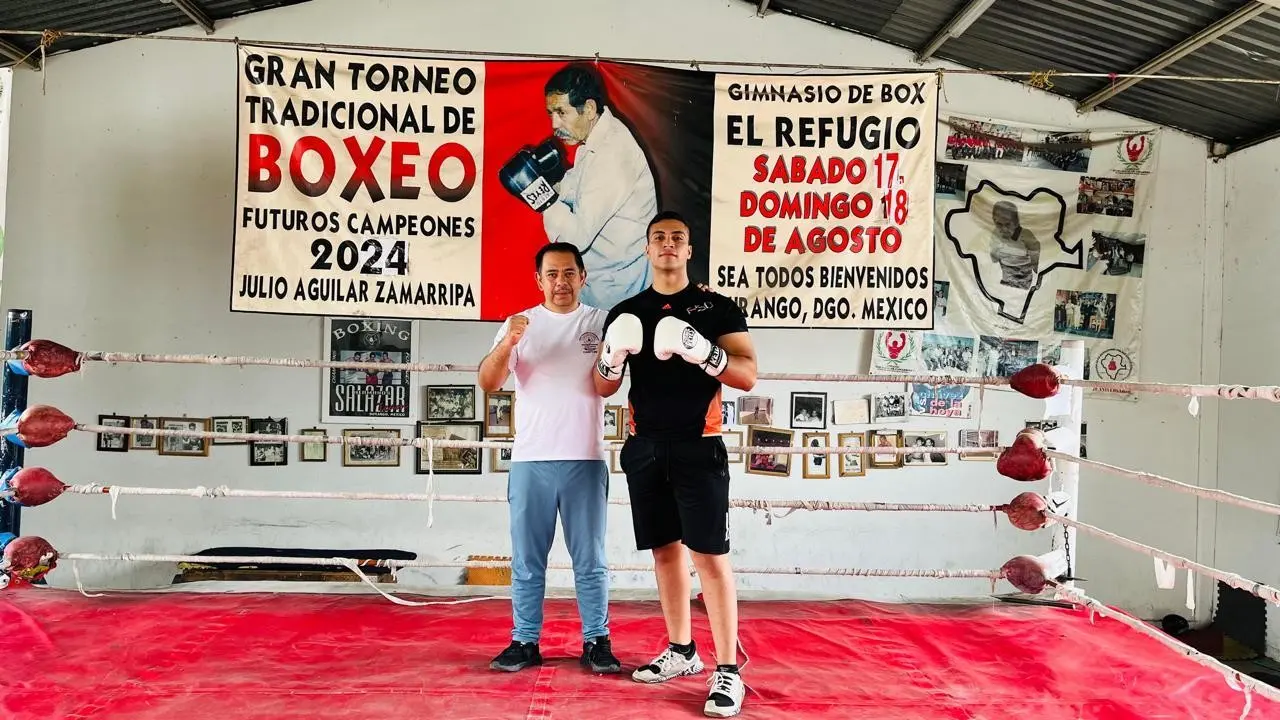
[[559, 247], [665, 215], [581, 83]]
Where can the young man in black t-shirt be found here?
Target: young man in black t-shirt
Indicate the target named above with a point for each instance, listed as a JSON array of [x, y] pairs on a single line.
[[682, 344]]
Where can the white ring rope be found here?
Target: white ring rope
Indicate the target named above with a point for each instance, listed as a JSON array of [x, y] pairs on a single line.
[[223, 491], [1169, 484], [1266, 592], [419, 442], [1230, 392], [1235, 679], [499, 564]]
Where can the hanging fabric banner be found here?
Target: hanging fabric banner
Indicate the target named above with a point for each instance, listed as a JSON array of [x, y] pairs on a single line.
[[1041, 237], [410, 187]]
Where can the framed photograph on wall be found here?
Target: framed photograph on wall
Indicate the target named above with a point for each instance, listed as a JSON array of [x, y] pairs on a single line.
[[367, 395], [816, 466], [113, 442], [449, 402], [885, 439], [235, 424], [766, 464], [500, 460], [732, 439], [449, 460], [184, 446], [853, 464], [144, 442], [313, 451], [271, 453], [980, 439], [499, 414], [613, 422], [755, 410], [923, 442], [809, 410], [888, 407], [371, 455]]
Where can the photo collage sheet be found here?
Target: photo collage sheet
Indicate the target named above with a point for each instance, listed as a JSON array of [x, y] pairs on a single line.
[[1040, 237]]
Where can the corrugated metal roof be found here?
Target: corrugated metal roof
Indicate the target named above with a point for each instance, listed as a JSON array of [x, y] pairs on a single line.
[[110, 16], [1097, 36]]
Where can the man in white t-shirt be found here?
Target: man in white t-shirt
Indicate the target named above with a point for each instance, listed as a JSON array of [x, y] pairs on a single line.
[[557, 462]]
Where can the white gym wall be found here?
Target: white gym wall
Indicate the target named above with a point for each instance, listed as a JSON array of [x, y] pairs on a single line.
[[120, 224]]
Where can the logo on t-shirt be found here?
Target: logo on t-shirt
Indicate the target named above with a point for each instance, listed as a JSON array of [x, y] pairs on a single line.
[[700, 307], [590, 343]]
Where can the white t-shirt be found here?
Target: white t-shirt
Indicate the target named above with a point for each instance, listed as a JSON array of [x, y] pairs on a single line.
[[558, 414]]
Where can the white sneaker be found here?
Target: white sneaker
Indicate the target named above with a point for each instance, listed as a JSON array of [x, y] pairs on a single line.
[[670, 664], [725, 698]]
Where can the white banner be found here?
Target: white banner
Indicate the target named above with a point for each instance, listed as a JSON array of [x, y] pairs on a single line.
[[1042, 237], [357, 185], [822, 199]]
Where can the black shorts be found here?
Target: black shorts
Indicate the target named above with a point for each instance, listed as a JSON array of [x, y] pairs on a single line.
[[679, 492]]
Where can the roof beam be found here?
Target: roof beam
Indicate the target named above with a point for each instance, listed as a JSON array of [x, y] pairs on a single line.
[[956, 27], [764, 5], [1179, 51], [192, 9], [17, 55]]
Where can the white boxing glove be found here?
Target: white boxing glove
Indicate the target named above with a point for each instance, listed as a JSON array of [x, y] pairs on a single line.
[[674, 336], [624, 337]]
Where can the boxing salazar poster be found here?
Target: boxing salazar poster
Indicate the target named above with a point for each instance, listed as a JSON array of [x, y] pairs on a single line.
[[410, 187]]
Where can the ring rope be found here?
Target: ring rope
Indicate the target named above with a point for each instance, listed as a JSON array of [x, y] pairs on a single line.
[[1170, 484], [1266, 592], [387, 563], [436, 442], [1230, 392], [1241, 681], [507, 444], [222, 491]]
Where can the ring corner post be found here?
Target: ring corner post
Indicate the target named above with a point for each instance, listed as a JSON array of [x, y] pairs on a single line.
[[1068, 477], [13, 398]]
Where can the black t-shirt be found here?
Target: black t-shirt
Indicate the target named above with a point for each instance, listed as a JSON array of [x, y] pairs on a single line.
[[674, 399]]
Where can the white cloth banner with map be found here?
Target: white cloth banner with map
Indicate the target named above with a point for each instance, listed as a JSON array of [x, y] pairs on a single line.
[[1041, 237]]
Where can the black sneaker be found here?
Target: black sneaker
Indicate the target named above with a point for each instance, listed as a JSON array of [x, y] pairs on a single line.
[[516, 657], [597, 654]]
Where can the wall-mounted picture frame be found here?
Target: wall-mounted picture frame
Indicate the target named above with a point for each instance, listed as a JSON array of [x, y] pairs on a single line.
[[500, 460], [499, 414], [613, 421], [755, 410], [924, 442], [144, 442], [888, 407], [615, 465], [371, 455], [269, 453], [728, 413], [732, 439], [448, 402], [980, 439], [809, 410], [113, 442], [184, 446], [367, 396], [853, 464], [313, 451], [884, 438], [816, 467], [778, 465], [231, 424], [449, 460]]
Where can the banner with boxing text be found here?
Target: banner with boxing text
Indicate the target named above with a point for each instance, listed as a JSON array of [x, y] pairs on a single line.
[[410, 187], [1042, 237]]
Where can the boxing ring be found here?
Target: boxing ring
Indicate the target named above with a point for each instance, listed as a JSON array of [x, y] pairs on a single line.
[[369, 651]]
